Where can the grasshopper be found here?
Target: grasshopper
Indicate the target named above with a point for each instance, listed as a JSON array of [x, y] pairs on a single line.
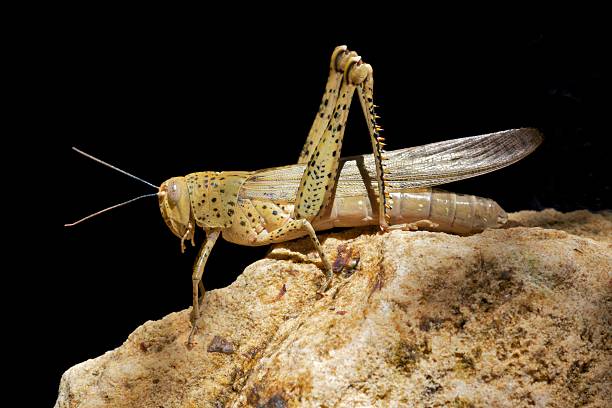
[[322, 191]]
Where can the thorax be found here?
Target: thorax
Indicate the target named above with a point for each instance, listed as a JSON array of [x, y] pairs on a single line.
[[214, 196]]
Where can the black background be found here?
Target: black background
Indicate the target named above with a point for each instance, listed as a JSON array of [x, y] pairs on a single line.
[[162, 99]]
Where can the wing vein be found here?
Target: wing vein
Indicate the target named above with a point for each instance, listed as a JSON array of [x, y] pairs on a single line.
[[414, 167]]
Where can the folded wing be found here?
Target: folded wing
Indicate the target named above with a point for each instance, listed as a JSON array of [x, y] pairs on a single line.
[[414, 167]]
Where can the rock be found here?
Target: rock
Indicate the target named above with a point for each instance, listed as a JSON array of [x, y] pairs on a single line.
[[582, 223], [510, 317]]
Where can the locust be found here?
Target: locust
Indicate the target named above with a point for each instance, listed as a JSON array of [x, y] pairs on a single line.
[[393, 190]]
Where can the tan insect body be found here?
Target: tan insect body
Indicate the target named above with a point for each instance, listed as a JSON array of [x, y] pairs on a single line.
[[324, 191]]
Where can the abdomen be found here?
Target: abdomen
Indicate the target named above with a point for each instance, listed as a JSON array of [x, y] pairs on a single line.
[[453, 213]]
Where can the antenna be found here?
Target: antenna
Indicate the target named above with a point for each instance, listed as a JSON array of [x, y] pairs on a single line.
[[108, 209], [113, 167], [116, 205]]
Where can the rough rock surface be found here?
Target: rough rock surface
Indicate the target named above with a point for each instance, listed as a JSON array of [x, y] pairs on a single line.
[[512, 317]]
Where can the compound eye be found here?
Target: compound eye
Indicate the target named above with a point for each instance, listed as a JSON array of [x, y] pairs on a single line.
[[174, 193]]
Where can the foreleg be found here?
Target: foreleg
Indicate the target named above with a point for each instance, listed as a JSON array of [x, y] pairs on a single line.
[[196, 279]]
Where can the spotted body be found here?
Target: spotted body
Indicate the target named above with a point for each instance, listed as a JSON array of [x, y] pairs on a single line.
[[258, 207], [323, 191]]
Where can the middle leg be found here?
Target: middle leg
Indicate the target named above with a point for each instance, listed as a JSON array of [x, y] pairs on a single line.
[[288, 231]]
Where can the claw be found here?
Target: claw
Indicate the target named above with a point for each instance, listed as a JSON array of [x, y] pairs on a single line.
[[190, 342], [325, 286], [185, 236]]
